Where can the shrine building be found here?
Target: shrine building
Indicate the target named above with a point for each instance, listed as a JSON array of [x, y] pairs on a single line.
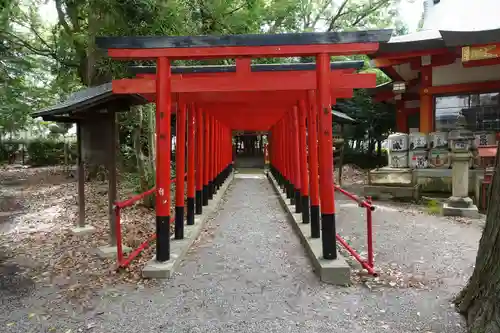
[[450, 67]]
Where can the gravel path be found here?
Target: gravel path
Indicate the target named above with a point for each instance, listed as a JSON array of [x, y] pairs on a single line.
[[249, 273]]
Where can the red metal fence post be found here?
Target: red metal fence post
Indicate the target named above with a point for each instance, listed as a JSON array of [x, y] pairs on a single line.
[[312, 130], [190, 166], [328, 229], [369, 232], [118, 233], [163, 147]]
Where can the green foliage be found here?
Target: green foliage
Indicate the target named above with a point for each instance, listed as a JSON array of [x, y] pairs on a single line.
[[9, 147], [43, 63], [45, 152], [365, 161], [375, 119], [433, 207]]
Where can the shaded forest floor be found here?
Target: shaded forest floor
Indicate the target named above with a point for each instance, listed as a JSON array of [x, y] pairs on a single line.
[[38, 207], [49, 278]]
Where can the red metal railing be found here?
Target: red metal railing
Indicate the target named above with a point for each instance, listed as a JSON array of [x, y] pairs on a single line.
[[367, 204], [119, 205]]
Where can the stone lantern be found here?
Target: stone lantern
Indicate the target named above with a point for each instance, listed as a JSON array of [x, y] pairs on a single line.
[[461, 142]]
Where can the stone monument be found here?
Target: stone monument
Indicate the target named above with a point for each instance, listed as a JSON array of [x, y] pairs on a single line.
[[461, 141]]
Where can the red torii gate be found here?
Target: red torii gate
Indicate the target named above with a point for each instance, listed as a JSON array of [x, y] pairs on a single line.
[[285, 160], [260, 109]]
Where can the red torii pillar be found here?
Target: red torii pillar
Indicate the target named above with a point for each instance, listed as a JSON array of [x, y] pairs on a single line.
[[304, 181], [327, 193], [312, 131], [180, 166], [296, 159], [199, 160], [163, 146], [191, 166]]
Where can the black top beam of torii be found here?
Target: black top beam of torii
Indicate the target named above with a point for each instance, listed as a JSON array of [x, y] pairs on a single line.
[[280, 67], [305, 38]]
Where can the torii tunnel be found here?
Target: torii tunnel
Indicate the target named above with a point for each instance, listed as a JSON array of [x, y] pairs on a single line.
[[290, 102]]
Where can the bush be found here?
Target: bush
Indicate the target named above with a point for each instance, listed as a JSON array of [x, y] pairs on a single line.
[[8, 148], [43, 152], [365, 160]]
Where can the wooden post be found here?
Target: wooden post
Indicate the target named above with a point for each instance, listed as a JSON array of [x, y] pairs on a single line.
[[81, 176], [113, 138]]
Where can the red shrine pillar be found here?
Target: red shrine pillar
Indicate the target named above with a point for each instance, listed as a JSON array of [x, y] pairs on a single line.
[[206, 158], [191, 166], [163, 147], [304, 181], [312, 130], [217, 156], [296, 159], [401, 117], [326, 157], [218, 141], [199, 161], [180, 167], [284, 151], [210, 157], [281, 162], [290, 193]]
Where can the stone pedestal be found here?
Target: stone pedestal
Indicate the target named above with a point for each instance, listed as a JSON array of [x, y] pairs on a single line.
[[459, 204]]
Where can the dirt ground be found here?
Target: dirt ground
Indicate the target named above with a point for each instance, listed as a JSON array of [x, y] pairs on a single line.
[[54, 279], [38, 207]]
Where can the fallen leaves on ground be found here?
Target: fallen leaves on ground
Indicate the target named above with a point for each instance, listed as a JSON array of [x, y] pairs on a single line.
[[389, 275], [38, 236], [352, 174]]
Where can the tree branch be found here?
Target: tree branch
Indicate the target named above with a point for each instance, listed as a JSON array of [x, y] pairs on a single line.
[[20, 42], [374, 8], [337, 16], [233, 11], [62, 19]]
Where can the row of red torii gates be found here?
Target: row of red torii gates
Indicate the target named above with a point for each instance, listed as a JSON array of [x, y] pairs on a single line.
[[291, 102]]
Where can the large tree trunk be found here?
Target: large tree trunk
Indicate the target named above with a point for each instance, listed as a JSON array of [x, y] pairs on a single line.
[[479, 301]]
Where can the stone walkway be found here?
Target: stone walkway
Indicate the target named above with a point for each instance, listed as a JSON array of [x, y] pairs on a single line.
[[249, 273]]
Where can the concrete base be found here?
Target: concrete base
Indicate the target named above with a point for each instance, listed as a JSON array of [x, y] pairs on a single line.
[[80, 231], [390, 176], [110, 251], [456, 206], [180, 247], [335, 272], [407, 193]]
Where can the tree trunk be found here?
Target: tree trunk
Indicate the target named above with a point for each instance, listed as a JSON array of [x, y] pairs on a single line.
[[479, 301], [138, 150]]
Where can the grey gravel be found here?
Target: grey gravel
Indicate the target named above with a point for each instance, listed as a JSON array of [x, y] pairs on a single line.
[[249, 273]]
